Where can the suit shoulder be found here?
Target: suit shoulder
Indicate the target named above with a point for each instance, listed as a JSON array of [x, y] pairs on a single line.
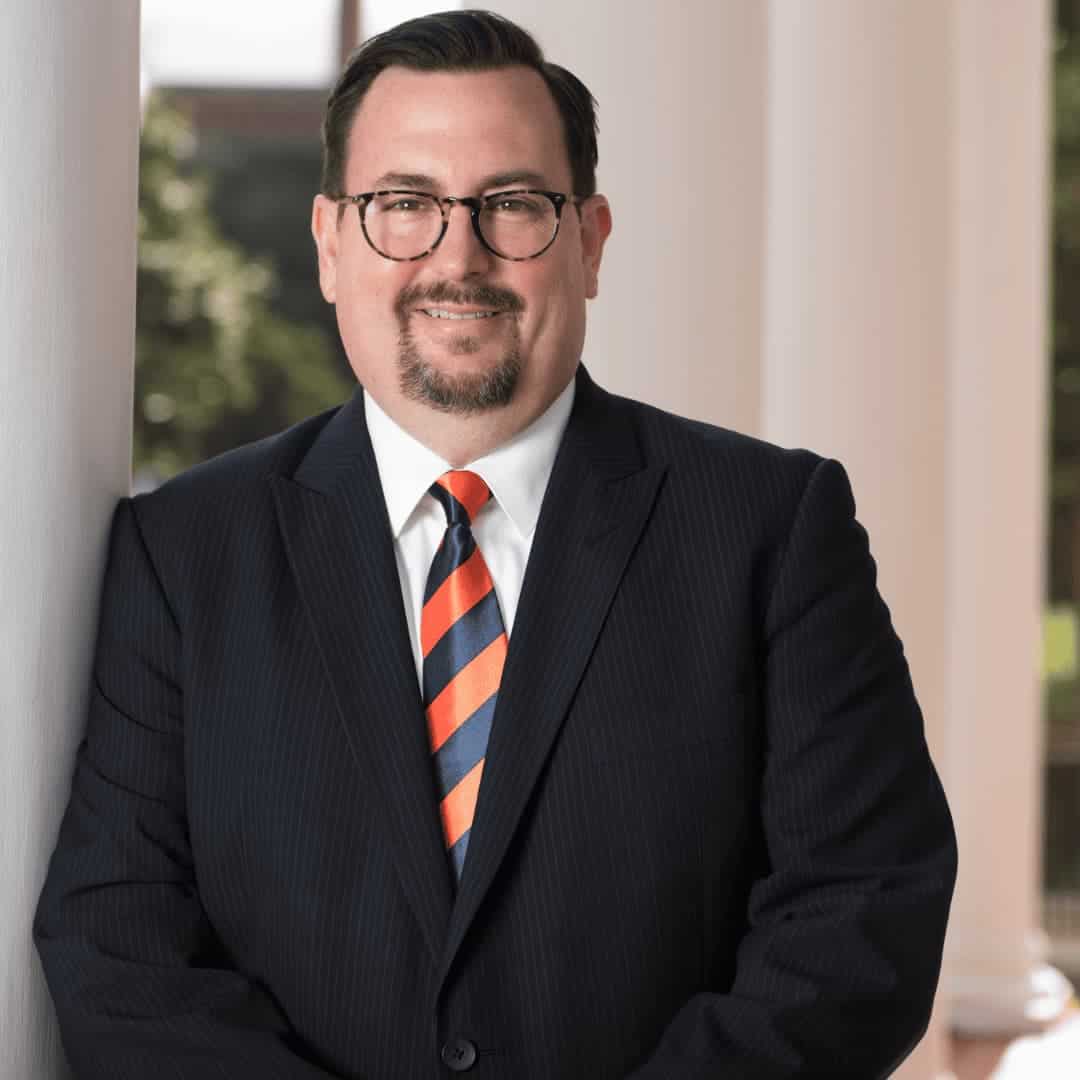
[[707, 453], [210, 494], [735, 492]]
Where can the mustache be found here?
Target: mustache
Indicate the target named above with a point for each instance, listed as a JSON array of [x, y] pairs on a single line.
[[443, 292]]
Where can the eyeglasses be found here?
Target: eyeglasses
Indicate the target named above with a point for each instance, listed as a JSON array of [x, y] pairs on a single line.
[[407, 225]]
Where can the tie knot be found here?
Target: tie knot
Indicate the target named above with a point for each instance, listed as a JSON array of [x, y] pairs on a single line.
[[461, 493]]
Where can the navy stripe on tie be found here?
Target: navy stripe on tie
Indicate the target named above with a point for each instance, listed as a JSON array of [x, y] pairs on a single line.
[[457, 545], [457, 853], [454, 509], [464, 748], [444, 499], [464, 640]]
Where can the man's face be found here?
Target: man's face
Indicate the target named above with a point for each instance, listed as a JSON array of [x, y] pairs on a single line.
[[464, 134]]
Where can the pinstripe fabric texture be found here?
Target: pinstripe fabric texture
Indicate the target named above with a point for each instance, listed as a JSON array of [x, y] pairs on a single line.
[[464, 646], [709, 841]]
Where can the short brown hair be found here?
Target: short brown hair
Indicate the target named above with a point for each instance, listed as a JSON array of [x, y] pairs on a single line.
[[458, 41]]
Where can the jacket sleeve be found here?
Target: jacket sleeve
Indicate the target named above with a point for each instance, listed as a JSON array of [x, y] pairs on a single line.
[[837, 970], [142, 986]]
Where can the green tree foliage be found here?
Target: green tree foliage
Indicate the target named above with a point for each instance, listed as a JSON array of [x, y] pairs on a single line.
[[214, 365], [1061, 861]]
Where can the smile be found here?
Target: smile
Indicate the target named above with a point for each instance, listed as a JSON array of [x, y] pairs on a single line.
[[441, 313]]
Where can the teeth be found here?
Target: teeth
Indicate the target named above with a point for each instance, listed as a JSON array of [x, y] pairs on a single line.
[[438, 313]]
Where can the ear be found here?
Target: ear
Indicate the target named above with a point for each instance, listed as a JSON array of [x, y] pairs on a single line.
[[595, 228], [324, 228]]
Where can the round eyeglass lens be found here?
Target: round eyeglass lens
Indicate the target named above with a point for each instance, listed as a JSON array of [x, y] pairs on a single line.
[[404, 226], [518, 226]]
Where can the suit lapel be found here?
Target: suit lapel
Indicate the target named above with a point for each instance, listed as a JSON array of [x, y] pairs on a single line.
[[333, 518], [597, 502]]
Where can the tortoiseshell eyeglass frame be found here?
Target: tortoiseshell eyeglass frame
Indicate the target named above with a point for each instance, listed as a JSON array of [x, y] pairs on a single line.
[[446, 204]]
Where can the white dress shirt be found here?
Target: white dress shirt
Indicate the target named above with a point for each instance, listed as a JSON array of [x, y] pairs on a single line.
[[517, 474]]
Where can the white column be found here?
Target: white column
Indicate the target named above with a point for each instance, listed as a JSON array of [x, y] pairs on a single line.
[[857, 298], [681, 92], [69, 121], [998, 438]]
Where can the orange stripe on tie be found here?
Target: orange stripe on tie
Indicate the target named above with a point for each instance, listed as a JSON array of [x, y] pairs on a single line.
[[458, 807], [462, 590], [466, 692], [468, 488]]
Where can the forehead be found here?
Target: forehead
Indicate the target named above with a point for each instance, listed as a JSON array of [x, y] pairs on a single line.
[[453, 126]]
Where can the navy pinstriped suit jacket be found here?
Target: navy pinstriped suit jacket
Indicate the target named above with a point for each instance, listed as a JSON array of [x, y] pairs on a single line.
[[709, 840]]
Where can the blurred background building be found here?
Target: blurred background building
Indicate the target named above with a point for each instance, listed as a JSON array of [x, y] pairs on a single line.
[[233, 341]]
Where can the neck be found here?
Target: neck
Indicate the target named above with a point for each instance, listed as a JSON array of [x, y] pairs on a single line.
[[459, 439], [463, 438]]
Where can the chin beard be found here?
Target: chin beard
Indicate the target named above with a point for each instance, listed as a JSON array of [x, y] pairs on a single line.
[[463, 394]]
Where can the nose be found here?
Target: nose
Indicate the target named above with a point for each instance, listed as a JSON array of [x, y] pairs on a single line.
[[460, 253]]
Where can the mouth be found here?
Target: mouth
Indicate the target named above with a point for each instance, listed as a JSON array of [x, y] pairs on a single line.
[[450, 313]]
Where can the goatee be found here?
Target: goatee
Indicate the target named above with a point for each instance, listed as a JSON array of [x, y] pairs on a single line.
[[464, 394]]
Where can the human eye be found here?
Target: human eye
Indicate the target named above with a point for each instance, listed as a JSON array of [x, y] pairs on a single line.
[[514, 204], [403, 203]]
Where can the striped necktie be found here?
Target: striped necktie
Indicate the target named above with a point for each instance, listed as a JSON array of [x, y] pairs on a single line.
[[464, 643]]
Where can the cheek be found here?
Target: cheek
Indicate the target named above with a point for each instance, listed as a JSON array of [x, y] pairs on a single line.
[[367, 294], [367, 321], [556, 297]]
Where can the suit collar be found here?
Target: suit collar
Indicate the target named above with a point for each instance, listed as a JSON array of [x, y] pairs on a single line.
[[342, 446]]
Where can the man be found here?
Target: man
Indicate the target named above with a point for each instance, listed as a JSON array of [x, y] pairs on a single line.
[[491, 722]]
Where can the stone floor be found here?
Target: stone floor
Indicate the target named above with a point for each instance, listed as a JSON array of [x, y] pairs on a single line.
[[1052, 1055]]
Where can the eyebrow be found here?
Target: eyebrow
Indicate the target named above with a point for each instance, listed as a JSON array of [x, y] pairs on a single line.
[[421, 182]]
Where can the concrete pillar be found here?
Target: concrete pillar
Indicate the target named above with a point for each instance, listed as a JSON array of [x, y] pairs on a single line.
[[681, 91], [997, 463], [69, 122], [856, 312]]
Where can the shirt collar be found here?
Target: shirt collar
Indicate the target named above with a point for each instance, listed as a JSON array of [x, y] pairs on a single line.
[[517, 472]]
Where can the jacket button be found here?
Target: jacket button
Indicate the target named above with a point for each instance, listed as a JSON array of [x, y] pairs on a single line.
[[459, 1054]]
